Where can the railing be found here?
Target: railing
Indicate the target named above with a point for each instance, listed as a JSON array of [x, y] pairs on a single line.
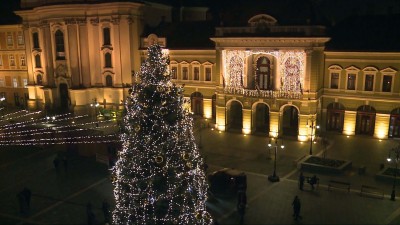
[[263, 93]]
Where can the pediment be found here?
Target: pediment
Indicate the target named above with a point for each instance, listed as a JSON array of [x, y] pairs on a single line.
[[352, 68], [370, 69], [388, 70], [335, 67], [262, 19]]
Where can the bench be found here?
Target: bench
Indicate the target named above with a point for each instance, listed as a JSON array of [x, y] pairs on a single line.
[[371, 191], [339, 185]]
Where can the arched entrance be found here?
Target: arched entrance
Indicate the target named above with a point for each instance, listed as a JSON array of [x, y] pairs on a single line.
[[394, 126], [335, 117], [64, 97], [365, 122], [214, 106], [235, 116], [261, 118], [290, 121], [197, 103]]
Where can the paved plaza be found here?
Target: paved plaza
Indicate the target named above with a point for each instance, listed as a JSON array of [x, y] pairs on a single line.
[[60, 197]]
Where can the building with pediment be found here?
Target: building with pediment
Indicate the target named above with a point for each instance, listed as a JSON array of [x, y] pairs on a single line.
[[258, 76]]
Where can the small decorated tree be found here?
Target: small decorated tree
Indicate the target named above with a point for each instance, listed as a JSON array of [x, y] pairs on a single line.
[[158, 178]]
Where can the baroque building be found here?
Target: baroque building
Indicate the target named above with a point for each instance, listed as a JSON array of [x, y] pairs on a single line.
[[259, 76]]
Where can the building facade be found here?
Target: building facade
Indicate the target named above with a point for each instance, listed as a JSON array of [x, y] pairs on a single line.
[[259, 77]]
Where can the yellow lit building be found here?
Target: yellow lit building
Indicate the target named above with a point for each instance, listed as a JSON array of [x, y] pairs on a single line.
[[257, 77]]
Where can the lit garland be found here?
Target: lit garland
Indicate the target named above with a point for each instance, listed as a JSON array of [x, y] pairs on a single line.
[[158, 178], [290, 67]]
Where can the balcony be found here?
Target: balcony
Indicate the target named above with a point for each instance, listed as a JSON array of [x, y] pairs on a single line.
[[263, 93]]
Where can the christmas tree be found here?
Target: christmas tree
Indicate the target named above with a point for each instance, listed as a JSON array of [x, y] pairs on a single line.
[[158, 178]]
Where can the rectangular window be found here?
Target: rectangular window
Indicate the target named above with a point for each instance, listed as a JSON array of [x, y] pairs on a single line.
[[106, 36], [22, 60], [1, 61], [196, 75], [208, 74], [351, 82], [2, 83], [12, 60], [15, 82], [25, 82], [184, 73], [387, 83], [174, 74], [20, 39], [369, 82], [9, 39], [38, 63], [35, 38], [334, 80]]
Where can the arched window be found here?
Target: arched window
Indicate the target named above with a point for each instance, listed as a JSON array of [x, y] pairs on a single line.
[[106, 36], [39, 79], [107, 60], [60, 50], [263, 76], [38, 63], [109, 81], [35, 39]]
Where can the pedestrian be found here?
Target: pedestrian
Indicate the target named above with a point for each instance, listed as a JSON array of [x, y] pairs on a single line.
[[27, 194], [242, 197], [90, 215], [21, 202], [56, 163], [313, 181], [301, 181], [65, 163], [106, 211], [296, 208], [241, 210]]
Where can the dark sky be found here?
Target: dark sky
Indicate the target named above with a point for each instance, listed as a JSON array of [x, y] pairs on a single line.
[[6, 11]]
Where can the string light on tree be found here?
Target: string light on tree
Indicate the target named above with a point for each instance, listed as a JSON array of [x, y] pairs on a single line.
[[158, 178]]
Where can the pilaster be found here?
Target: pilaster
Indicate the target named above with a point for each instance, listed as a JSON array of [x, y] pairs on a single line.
[[382, 122], [349, 125]]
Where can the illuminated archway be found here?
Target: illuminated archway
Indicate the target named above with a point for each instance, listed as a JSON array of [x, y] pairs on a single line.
[[290, 121], [261, 117], [235, 115], [335, 117], [365, 122], [197, 103], [394, 126]]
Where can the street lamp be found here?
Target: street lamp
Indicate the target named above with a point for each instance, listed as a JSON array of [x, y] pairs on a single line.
[[312, 126], [394, 154], [95, 104], [274, 177]]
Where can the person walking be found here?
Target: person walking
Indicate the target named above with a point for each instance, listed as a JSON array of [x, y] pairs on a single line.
[[22, 202], [301, 181], [90, 215], [27, 195], [313, 181], [241, 210], [296, 208]]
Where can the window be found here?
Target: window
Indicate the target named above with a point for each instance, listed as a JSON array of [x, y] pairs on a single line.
[[39, 79], [387, 83], [107, 60], [2, 83], [351, 82], [106, 36], [22, 60], [184, 73], [20, 39], [9, 39], [196, 73], [12, 60], [208, 74], [25, 82], [109, 81], [35, 39], [60, 51], [369, 82], [334, 80], [15, 82], [174, 73], [1, 61], [38, 63]]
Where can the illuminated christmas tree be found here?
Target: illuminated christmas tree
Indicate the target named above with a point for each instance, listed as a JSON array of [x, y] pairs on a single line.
[[158, 178]]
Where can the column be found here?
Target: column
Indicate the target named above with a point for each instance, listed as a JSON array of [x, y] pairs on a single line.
[[349, 125], [246, 129], [221, 118], [207, 108], [274, 124], [304, 128], [382, 122]]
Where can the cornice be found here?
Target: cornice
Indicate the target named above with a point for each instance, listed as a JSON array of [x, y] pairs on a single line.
[[363, 54], [281, 42]]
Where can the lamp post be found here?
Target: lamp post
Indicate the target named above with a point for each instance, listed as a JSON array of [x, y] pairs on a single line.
[[312, 126], [274, 177], [95, 104], [394, 154]]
